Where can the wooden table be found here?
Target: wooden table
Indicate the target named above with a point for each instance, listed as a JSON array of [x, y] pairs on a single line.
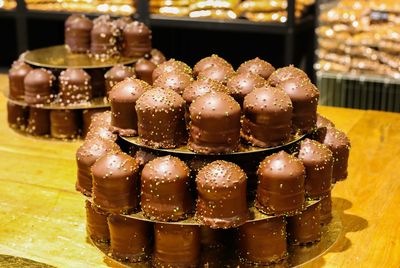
[[42, 217]]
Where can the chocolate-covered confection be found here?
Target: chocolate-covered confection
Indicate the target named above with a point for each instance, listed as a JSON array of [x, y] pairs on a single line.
[[102, 18], [161, 118], [215, 124], [89, 152], [38, 85], [211, 61], [157, 57], [87, 118], [177, 81], [322, 123], [218, 73], [100, 127], [74, 86], [165, 193], [326, 209], [243, 83], [116, 74], [98, 82], [38, 121], [304, 96], [263, 242], [305, 228], [169, 66], [285, 73], [339, 144], [257, 66], [131, 239], [64, 124], [267, 117], [222, 201], [136, 40], [176, 245], [115, 183], [123, 97], [200, 87], [17, 115], [77, 30], [96, 224], [280, 184], [16, 76], [318, 161], [121, 22], [144, 70], [102, 119], [143, 157], [103, 39]]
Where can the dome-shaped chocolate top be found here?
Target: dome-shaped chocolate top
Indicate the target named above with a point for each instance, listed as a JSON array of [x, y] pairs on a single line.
[[220, 174], [114, 165], [286, 73], [324, 122], [218, 73], [257, 66], [38, 86], [144, 70], [213, 60], [121, 22], [157, 57], [78, 21], [102, 18], [16, 76], [39, 77], [160, 100], [243, 83], [128, 90], [281, 166], [200, 87], [169, 66], [19, 68], [119, 72], [137, 28], [101, 119], [75, 85], [93, 148], [103, 38], [167, 168], [74, 76], [314, 152], [177, 81], [300, 90]]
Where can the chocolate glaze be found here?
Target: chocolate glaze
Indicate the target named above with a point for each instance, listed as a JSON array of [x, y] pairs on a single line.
[[322, 123], [218, 73], [136, 40], [122, 22], [123, 99], [257, 66], [64, 124], [17, 115], [243, 83], [77, 30], [318, 161], [176, 245], [100, 127], [221, 187], [38, 86], [144, 70], [115, 183], [281, 184], [339, 144], [267, 117], [74, 86], [213, 60], [98, 82], [117, 74], [285, 73], [215, 124], [326, 209], [38, 121], [102, 19], [263, 242], [131, 239], [169, 66], [177, 81], [200, 87], [143, 157], [103, 39], [161, 118], [102, 119], [305, 228], [165, 192], [96, 224], [87, 154], [87, 118], [16, 76], [157, 57], [304, 96]]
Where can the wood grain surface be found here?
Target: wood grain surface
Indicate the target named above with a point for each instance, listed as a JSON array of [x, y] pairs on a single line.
[[42, 218]]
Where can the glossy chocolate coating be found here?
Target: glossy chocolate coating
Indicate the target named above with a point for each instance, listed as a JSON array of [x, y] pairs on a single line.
[[221, 187], [121, 22], [144, 70], [38, 86], [103, 39], [169, 66], [117, 74], [177, 81], [267, 117], [100, 127], [165, 192], [213, 60], [123, 99], [87, 118], [77, 30], [16, 76], [98, 82], [131, 239], [339, 144], [136, 38], [200, 87], [157, 57], [102, 18], [285, 73], [161, 118], [143, 157], [64, 124], [263, 242], [38, 121], [17, 115], [96, 224], [305, 228], [74, 86], [218, 73], [281, 184], [322, 123], [257, 66], [102, 119], [243, 83], [304, 96], [326, 209], [318, 161], [115, 183], [215, 124], [176, 245], [87, 154]]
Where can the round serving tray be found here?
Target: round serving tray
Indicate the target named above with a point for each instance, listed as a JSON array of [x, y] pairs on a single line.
[[59, 57]]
